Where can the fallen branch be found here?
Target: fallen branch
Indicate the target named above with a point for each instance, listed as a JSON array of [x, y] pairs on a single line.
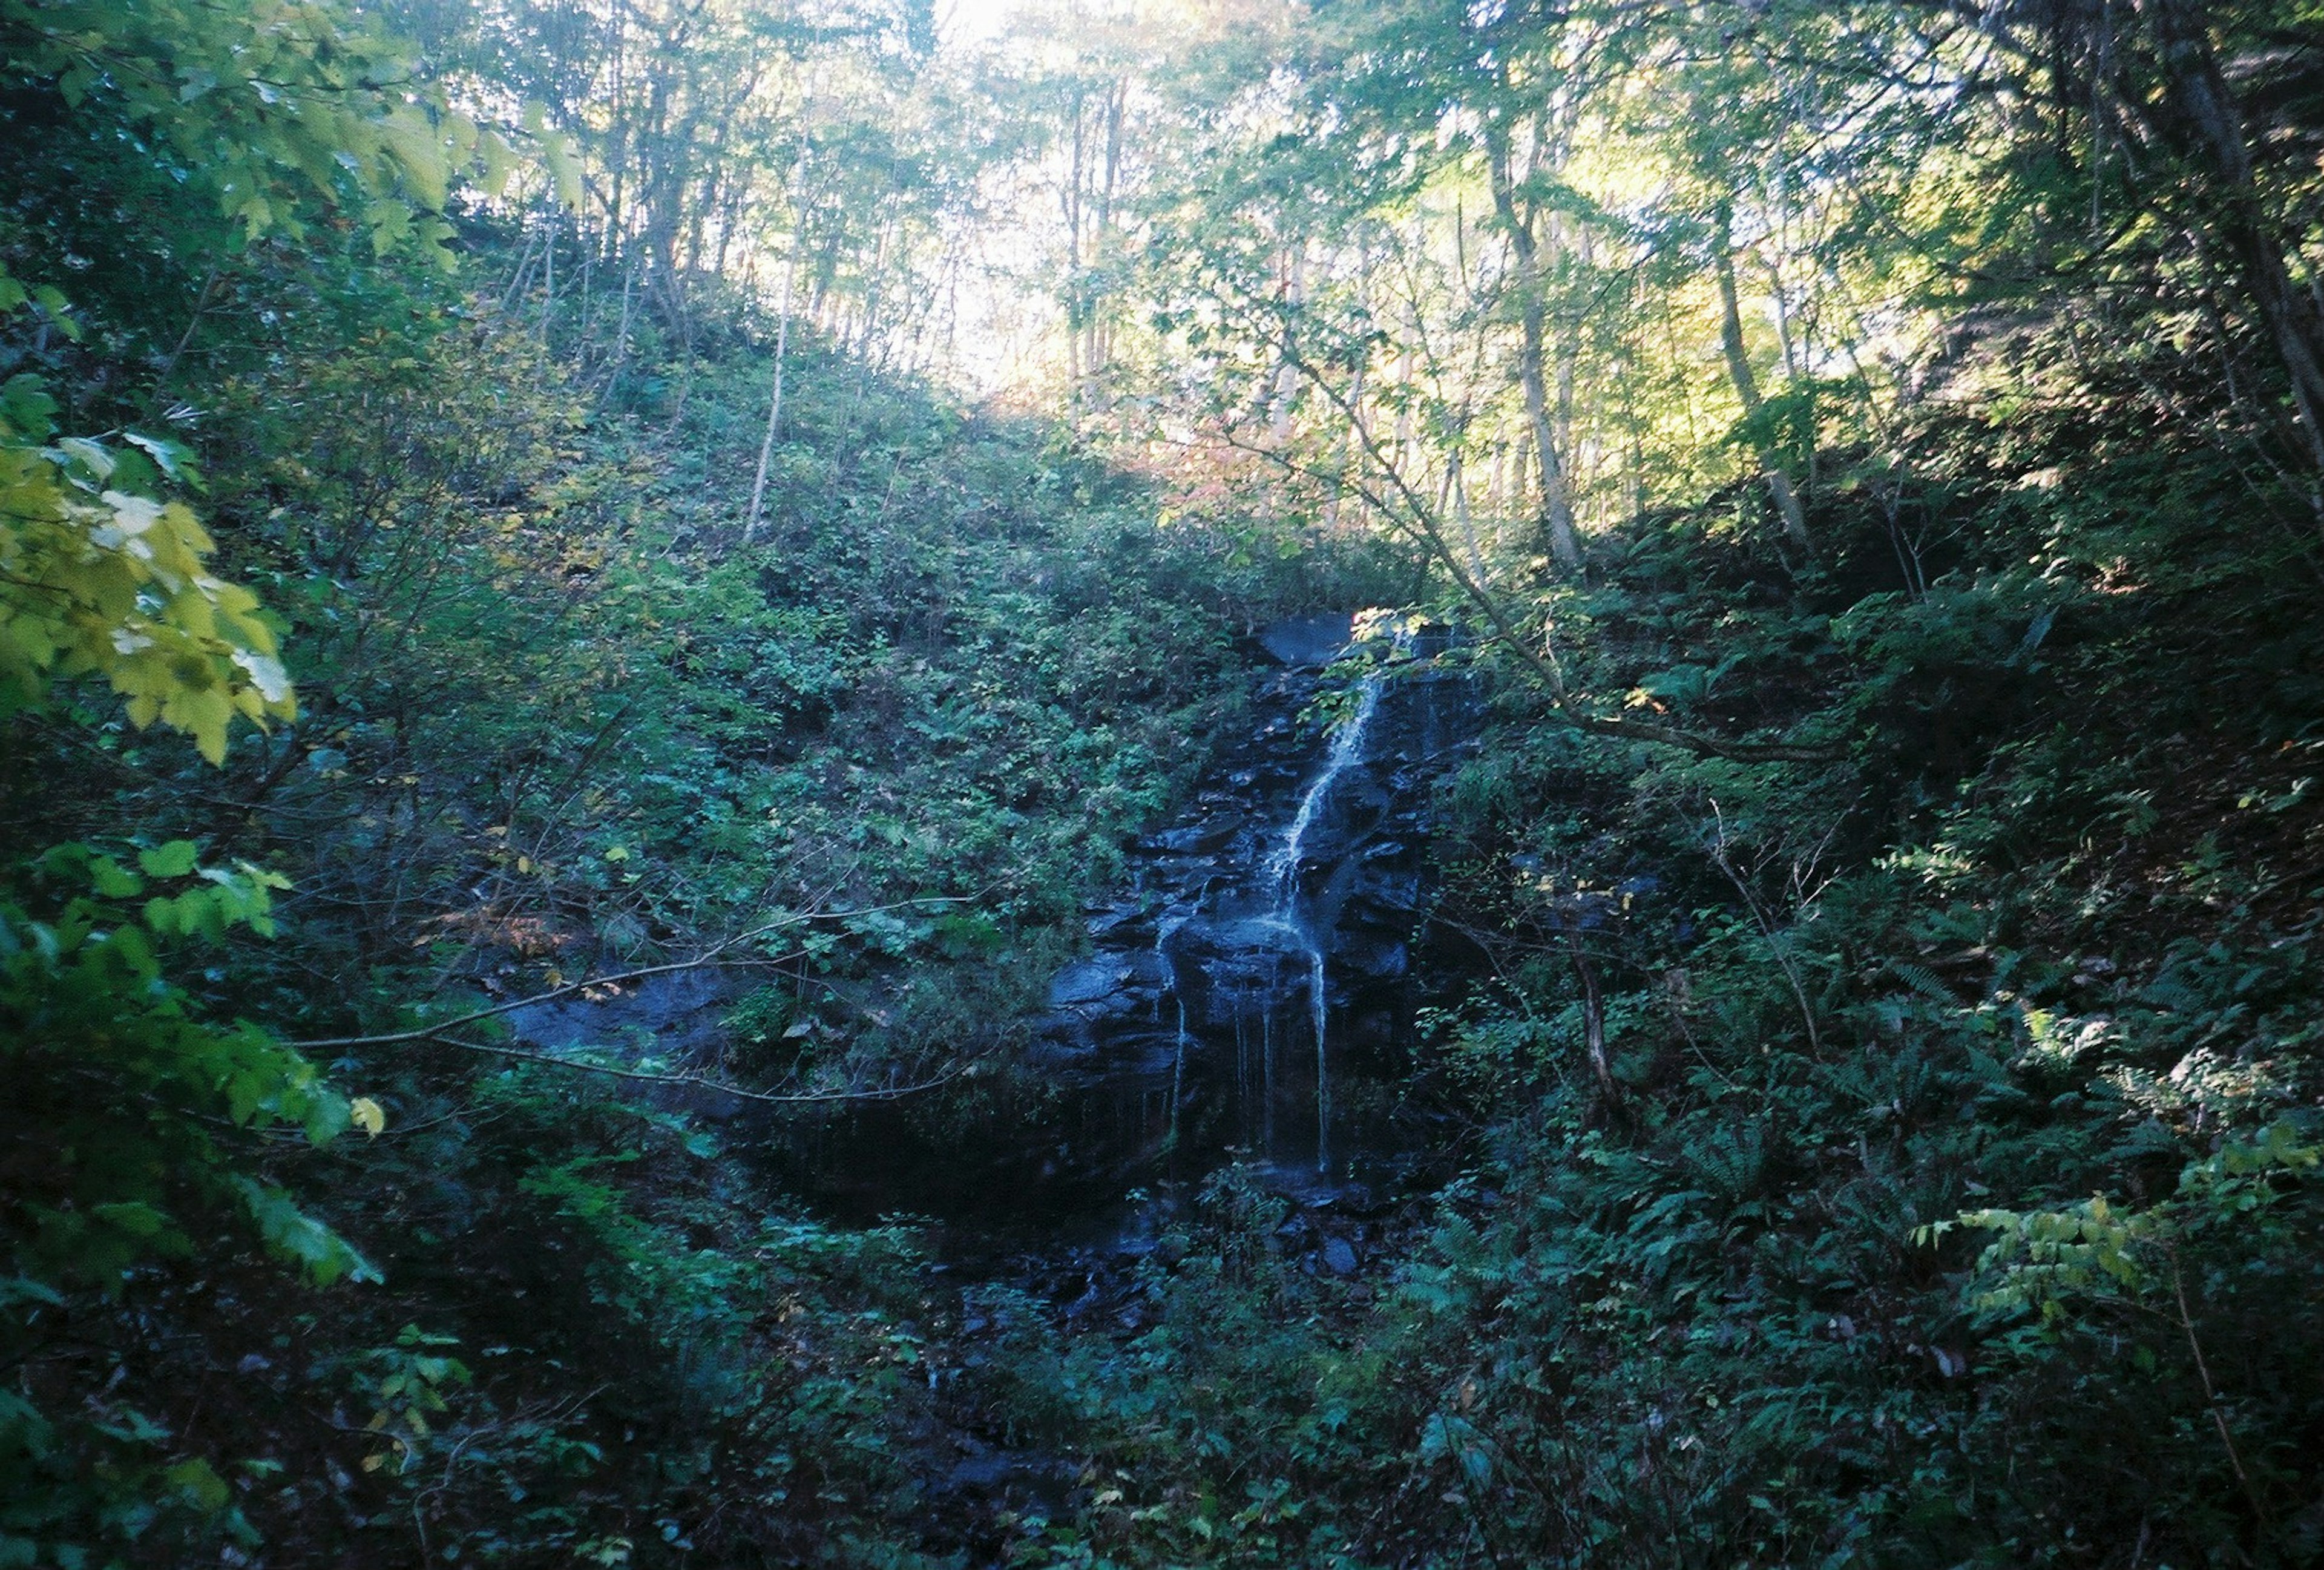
[[713, 958], [704, 1082], [429, 1033], [1717, 849]]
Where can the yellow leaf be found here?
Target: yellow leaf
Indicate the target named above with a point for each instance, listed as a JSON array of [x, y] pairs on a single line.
[[367, 1115]]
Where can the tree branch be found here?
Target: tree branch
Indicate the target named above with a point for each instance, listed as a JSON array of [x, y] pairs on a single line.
[[1410, 514], [715, 957], [703, 1081]]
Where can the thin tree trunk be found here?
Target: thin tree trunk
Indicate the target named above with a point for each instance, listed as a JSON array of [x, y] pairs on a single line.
[[1347, 449], [548, 276], [1555, 516], [1747, 388], [1286, 374], [2197, 95], [621, 334], [782, 342], [1456, 485], [1098, 350], [1074, 312], [775, 398], [1593, 1015]]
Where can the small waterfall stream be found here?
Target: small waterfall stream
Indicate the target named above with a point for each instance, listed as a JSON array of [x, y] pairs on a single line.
[[1245, 923], [1165, 930], [1347, 747], [1287, 917]]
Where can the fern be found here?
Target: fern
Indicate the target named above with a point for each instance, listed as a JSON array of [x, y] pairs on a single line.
[[1925, 980]]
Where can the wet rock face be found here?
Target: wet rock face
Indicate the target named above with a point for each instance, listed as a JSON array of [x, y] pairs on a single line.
[[1261, 960]]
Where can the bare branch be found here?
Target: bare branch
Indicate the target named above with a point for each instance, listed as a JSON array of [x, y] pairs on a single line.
[[704, 1082], [1412, 515], [714, 957]]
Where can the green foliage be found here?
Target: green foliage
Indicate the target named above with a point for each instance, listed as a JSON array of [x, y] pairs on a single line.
[[129, 1120], [271, 111], [98, 577], [2026, 913], [2039, 930], [86, 1003]]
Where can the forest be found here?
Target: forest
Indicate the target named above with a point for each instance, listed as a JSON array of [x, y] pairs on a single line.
[[925, 784]]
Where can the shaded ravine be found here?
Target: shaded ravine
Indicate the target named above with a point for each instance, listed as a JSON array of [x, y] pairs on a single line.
[[1247, 999], [1247, 1003]]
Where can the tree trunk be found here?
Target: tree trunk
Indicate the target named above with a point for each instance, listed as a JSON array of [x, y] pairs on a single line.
[[1747, 388], [1555, 516], [2196, 94], [1286, 371], [782, 343]]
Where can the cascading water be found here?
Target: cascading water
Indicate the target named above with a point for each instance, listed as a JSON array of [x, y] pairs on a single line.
[[1347, 747], [1173, 1047], [1295, 867], [1288, 918], [1166, 931]]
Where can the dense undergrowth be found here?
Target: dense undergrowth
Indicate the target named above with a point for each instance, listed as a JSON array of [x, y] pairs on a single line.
[[558, 722], [1940, 1194], [1899, 1153]]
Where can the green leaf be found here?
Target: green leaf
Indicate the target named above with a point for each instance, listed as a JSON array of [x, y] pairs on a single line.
[[174, 459], [110, 879], [134, 1216], [200, 1483], [290, 1231], [174, 860], [27, 412]]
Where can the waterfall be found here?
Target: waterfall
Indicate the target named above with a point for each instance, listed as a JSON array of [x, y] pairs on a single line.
[[1323, 1070], [1178, 1076], [1164, 932], [1347, 747], [1283, 870], [1295, 866]]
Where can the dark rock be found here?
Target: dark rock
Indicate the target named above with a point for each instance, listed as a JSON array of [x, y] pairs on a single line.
[[1373, 959], [1113, 919], [1340, 1257], [1149, 1055], [673, 1013], [1200, 840], [1061, 1042], [1088, 981]]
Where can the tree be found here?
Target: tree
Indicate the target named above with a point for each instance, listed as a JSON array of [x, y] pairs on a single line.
[[130, 1105], [2188, 110]]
